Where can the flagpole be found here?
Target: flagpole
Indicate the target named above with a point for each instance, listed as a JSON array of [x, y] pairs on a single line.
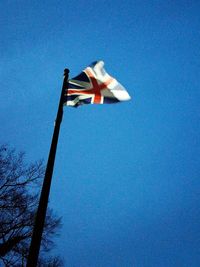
[[42, 207]]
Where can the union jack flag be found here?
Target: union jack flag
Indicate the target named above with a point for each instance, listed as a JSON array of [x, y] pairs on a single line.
[[94, 86]]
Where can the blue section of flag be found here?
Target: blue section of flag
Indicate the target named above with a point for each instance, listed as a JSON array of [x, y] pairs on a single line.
[[82, 77], [108, 100]]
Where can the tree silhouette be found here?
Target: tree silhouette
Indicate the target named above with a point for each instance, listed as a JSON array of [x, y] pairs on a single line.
[[20, 184]]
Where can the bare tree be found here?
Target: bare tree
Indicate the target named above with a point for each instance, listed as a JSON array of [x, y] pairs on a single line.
[[19, 190]]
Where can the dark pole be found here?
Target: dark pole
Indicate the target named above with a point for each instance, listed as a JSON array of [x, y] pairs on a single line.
[[42, 207]]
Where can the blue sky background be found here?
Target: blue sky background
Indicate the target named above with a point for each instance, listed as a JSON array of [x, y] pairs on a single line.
[[126, 177]]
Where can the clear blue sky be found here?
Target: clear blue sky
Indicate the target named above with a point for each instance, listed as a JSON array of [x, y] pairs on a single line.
[[126, 179]]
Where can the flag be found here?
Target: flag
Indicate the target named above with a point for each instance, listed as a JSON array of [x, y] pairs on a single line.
[[94, 86]]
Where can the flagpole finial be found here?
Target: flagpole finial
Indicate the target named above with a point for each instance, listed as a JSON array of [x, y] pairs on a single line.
[[66, 72]]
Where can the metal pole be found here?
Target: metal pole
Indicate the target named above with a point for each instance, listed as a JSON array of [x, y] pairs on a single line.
[[42, 207]]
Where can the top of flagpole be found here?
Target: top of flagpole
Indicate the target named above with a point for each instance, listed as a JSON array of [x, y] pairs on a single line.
[[66, 72], [65, 83]]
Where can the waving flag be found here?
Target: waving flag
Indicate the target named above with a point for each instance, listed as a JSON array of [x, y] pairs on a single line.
[[94, 86]]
